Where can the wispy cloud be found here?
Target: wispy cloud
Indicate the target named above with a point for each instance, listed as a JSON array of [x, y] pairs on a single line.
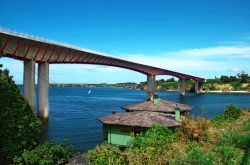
[[216, 51], [216, 58], [84, 68], [99, 68]]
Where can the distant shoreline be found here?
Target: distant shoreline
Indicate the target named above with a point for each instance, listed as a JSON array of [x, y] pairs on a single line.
[[129, 87], [220, 91]]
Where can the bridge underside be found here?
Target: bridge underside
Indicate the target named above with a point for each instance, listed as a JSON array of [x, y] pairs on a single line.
[[34, 50], [28, 48]]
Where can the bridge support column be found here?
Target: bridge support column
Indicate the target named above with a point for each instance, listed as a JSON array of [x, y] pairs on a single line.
[[43, 91], [182, 87], [196, 87], [151, 85], [29, 81]]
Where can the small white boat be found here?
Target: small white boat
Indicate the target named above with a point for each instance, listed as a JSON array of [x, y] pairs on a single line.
[[89, 92]]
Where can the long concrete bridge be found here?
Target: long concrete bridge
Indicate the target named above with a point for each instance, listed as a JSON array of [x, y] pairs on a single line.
[[33, 50]]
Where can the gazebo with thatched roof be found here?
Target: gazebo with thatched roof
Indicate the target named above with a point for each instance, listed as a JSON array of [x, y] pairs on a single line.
[[162, 106], [118, 127]]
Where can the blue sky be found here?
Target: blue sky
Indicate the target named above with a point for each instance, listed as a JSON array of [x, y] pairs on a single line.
[[205, 38]]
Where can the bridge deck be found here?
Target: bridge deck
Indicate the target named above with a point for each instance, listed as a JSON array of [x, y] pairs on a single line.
[[24, 47]]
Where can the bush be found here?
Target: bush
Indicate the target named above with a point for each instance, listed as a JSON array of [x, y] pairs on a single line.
[[236, 85], [48, 153], [219, 119], [232, 112], [155, 137], [106, 154], [194, 129], [19, 128], [196, 155], [229, 155]]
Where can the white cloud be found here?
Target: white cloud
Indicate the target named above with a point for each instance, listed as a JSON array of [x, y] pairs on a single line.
[[82, 69], [235, 70], [218, 58], [215, 51], [173, 63], [99, 68]]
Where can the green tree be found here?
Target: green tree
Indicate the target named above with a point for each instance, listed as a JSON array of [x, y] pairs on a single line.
[[19, 128], [49, 153]]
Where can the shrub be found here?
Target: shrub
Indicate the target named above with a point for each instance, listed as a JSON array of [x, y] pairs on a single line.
[[194, 129], [106, 154], [229, 155], [234, 138], [246, 125], [19, 128], [196, 155], [219, 119], [155, 137], [48, 153], [232, 112], [236, 85]]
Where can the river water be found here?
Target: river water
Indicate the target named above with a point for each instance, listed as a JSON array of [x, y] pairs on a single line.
[[74, 110]]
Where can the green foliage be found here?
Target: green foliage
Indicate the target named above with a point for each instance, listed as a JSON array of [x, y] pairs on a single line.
[[20, 130], [246, 125], [213, 81], [234, 138], [219, 119], [246, 128], [233, 146], [229, 155], [236, 82], [48, 153], [154, 138], [19, 127], [232, 112], [105, 155], [236, 85], [196, 155]]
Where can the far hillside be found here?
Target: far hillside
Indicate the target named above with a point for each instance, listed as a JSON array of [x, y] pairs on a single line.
[[239, 82]]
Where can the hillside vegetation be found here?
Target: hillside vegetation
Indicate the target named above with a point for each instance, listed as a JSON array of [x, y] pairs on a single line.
[[240, 82], [223, 140]]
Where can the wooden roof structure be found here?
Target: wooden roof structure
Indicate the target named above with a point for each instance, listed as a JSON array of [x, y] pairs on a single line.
[[162, 106], [140, 119]]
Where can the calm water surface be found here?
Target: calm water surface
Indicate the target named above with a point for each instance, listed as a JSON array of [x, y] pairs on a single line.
[[74, 112]]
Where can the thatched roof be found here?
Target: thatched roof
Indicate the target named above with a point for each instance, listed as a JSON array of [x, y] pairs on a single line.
[[162, 106], [139, 119]]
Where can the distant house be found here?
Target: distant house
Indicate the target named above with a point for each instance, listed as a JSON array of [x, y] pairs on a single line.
[[118, 128]]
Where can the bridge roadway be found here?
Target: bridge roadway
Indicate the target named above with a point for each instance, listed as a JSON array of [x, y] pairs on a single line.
[[33, 50]]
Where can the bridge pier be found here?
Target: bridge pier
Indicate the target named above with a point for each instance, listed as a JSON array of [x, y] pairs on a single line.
[[196, 87], [182, 87], [43, 90], [151, 85], [29, 81]]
